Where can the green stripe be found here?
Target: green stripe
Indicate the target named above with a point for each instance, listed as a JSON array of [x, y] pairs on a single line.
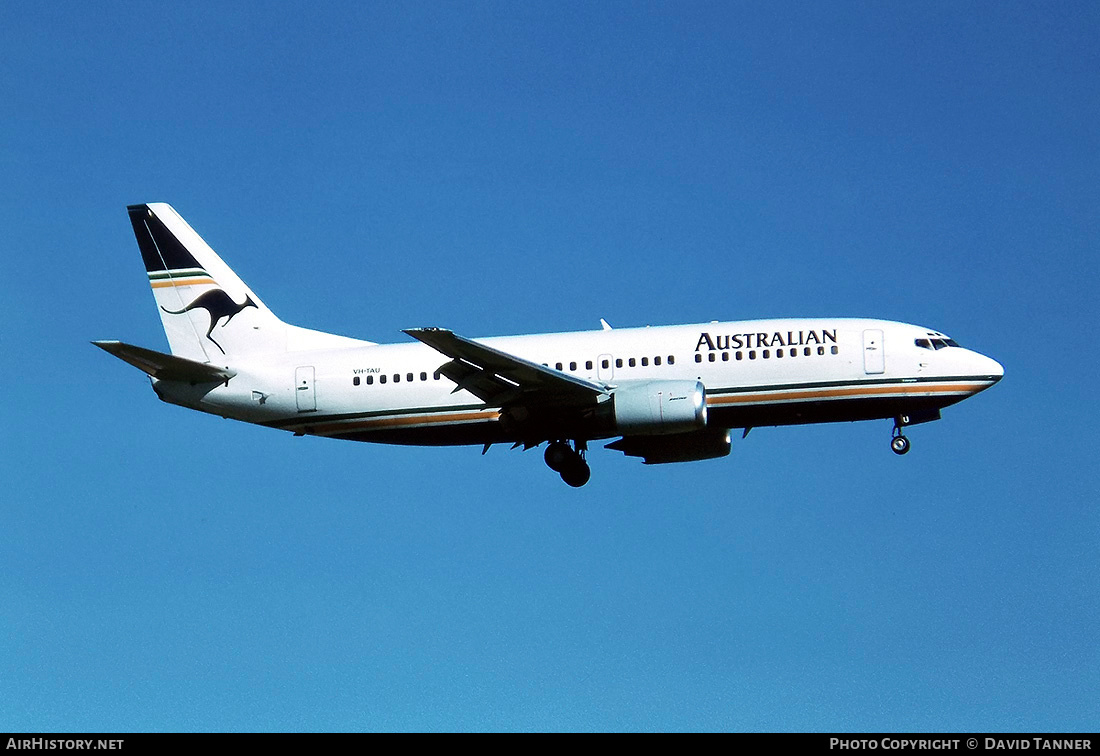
[[413, 411], [185, 273], [849, 383]]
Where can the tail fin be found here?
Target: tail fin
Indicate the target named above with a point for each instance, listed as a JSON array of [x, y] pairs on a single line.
[[208, 312]]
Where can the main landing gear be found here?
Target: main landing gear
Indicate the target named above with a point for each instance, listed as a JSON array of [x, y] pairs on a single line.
[[899, 444], [568, 462]]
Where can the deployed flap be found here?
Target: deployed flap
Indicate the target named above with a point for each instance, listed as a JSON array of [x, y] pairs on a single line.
[[498, 377], [166, 367]]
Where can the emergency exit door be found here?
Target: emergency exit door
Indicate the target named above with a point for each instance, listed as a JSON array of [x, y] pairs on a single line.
[[605, 368]]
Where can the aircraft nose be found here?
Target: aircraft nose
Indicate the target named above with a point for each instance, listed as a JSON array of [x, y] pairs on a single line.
[[989, 367]]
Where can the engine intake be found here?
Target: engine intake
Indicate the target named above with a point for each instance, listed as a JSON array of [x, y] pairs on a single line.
[[660, 408]]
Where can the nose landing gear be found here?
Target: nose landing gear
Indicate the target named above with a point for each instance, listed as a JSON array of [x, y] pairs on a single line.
[[568, 462], [899, 444]]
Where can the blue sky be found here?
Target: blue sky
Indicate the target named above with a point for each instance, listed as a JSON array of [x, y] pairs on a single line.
[[506, 168]]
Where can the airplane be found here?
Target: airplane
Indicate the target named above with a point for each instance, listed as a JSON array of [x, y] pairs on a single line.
[[665, 394]]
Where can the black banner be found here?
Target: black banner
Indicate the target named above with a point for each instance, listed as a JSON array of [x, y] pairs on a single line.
[[833, 742]]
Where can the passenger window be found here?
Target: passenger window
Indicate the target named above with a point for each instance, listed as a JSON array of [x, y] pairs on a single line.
[[409, 377], [572, 366], [778, 353], [725, 356], [397, 377], [752, 354], [698, 357], [436, 375], [711, 357], [381, 379], [821, 350], [806, 351], [766, 354], [645, 362], [671, 360], [355, 381], [423, 376], [557, 366], [835, 350], [619, 362], [657, 360], [631, 362], [588, 365], [606, 364], [370, 380], [739, 355]]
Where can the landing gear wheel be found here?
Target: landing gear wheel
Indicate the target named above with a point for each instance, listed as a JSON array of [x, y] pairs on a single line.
[[899, 444], [577, 472], [558, 456], [568, 462]]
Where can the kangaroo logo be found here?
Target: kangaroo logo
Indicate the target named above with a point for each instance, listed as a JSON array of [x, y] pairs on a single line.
[[218, 305]]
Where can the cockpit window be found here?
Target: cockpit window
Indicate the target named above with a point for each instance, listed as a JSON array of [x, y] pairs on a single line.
[[936, 343]]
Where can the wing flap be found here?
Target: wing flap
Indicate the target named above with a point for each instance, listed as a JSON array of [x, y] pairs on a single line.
[[498, 377], [490, 388], [166, 367]]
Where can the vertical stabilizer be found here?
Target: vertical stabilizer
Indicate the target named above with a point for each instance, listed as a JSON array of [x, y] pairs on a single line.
[[208, 312]]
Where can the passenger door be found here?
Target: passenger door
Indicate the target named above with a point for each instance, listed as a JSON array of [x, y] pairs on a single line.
[[304, 391], [874, 355]]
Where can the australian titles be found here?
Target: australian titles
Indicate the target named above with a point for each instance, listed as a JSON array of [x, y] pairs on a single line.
[[710, 342]]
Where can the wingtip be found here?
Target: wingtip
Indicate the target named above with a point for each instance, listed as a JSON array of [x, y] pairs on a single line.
[[415, 332]]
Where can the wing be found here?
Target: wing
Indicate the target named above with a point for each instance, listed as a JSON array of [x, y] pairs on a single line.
[[499, 378]]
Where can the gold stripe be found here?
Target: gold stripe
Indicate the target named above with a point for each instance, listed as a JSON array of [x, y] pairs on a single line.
[[773, 396], [465, 417], [778, 396], [397, 422], [183, 282]]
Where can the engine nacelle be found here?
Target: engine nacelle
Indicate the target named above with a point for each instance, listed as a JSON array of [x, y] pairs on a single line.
[[680, 447], [660, 408]]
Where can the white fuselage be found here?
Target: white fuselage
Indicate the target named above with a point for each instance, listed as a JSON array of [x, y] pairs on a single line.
[[759, 372]]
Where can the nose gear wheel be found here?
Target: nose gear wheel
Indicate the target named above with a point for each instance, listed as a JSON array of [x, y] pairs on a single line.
[[899, 444]]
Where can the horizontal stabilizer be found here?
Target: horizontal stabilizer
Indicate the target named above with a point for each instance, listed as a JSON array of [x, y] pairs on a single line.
[[166, 367]]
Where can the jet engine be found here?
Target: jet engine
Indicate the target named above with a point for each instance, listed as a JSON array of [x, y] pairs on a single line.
[[659, 407]]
